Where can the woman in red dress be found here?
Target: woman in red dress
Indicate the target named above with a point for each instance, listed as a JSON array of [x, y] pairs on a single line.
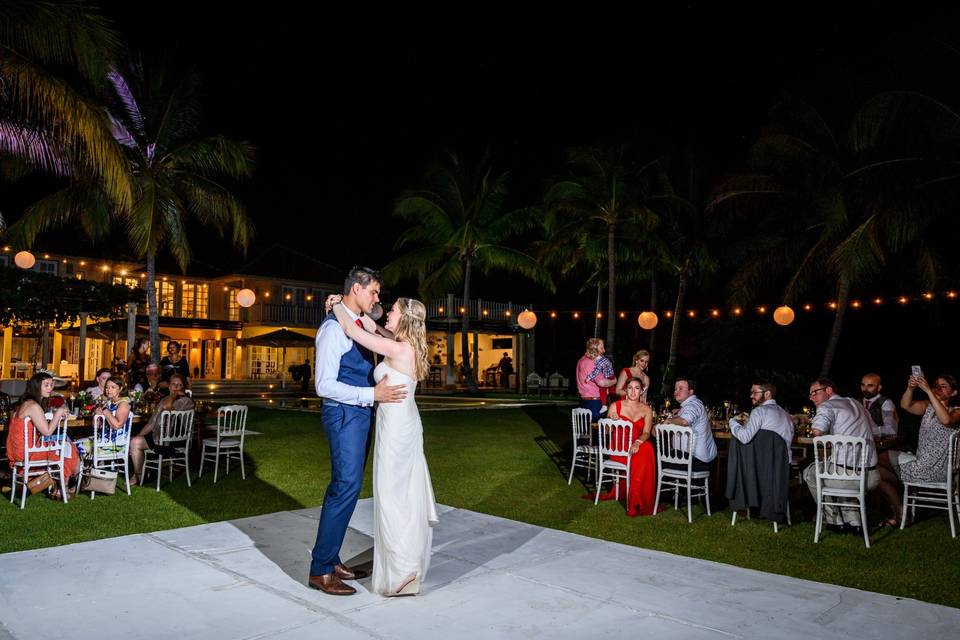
[[38, 391], [643, 464], [638, 370]]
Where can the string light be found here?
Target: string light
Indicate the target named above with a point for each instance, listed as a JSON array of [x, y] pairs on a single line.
[[762, 309], [737, 311], [692, 313], [855, 304], [928, 296], [669, 314], [878, 301], [599, 315], [808, 307], [715, 313], [832, 305], [951, 294], [902, 300], [576, 315], [553, 314], [623, 315]]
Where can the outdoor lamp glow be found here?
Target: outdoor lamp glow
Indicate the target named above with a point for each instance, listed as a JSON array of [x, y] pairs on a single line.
[[24, 260], [648, 320], [527, 319], [246, 297], [783, 315]]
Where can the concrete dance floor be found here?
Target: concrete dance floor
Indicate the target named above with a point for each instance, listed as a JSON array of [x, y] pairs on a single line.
[[491, 578]]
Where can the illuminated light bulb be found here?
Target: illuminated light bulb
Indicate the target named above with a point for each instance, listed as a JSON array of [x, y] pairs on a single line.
[[762, 309], [832, 305], [737, 311], [623, 315], [902, 300], [485, 312], [951, 294], [576, 315], [553, 314], [807, 307], [928, 296], [668, 314], [441, 309], [878, 301], [715, 313], [692, 313], [507, 313], [855, 304]]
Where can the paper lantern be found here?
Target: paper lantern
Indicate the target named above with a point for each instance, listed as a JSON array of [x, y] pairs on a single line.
[[783, 315], [527, 319], [246, 298], [24, 260], [648, 320]]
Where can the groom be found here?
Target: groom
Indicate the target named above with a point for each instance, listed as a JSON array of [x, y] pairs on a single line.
[[344, 380]]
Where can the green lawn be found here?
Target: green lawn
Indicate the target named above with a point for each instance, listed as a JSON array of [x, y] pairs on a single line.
[[504, 463]]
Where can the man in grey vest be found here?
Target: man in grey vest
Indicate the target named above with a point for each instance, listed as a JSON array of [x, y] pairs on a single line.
[[881, 409]]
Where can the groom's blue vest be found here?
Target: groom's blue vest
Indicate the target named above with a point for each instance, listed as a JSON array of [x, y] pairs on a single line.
[[355, 369]]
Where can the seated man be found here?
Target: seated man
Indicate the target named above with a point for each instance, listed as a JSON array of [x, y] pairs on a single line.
[[881, 410], [766, 415], [694, 415], [156, 388], [841, 416]]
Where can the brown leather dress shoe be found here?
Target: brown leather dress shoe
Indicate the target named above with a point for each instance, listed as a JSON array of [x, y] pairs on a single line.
[[346, 573], [330, 584]]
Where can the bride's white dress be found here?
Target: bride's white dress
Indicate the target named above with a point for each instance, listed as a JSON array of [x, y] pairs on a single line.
[[404, 509]]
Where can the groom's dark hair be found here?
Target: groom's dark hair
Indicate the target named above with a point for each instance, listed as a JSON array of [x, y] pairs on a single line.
[[362, 276]]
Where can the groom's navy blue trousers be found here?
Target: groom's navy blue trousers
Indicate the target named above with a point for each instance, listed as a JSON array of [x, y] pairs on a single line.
[[347, 428]]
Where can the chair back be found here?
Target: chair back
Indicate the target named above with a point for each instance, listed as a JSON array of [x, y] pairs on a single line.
[[176, 426], [110, 444], [616, 437], [534, 381], [953, 456], [840, 458], [231, 420], [581, 419], [557, 381], [35, 442], [675, 444]]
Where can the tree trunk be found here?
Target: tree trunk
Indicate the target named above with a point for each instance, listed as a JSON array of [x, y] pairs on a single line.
[[465, 328], [152, 307], [611, 287], [596, 315], [843, 297], [651, 347], [674, 333]]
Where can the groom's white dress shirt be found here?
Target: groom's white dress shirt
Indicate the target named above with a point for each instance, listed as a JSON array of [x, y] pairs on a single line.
[[331, 343]]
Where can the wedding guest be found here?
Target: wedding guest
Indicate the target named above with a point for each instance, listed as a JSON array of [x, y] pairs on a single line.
[[173, 363], [636, 371], [138, 361], [881, 410], [589, 380], [116, 413], [33, 405], [693, 414], [766, 415], [101, 378], [841, 416], [178, 400], [641, 494], [941, 418]]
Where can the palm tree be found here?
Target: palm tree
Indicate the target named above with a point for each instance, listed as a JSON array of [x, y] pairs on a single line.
[[684, 245], [600, 202], [46, 120], [176, 176], [458, 225], [829, 210]]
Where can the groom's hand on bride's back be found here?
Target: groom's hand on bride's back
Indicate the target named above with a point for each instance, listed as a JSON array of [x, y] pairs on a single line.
[[384, 392]]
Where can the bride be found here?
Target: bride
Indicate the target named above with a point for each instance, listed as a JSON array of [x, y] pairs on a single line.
[[403, 504]]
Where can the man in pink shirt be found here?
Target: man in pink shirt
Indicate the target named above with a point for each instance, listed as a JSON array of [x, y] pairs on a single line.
[[588, 383]]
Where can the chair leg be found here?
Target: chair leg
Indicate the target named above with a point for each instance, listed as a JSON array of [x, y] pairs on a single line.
[[733, 520], [656, 500], [216, 463], [863, 521], [13, 485], [789, 522], [906, 505], [596, 498], [203, 458], [706, 492], [186, 466], [243, 472], [159, 470], [573, 466], [816, 529], [689, 502], [953, 530]]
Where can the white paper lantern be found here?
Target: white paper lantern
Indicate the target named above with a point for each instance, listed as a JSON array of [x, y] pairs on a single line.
[[246, 297], [527, 319], [24, 260], [648, 320], [783, 315]]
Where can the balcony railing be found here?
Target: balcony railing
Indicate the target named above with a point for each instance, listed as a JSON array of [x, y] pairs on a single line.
[[451, 308], [289, 314]]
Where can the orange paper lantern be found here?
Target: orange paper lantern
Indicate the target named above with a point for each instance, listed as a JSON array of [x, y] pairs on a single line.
[[648, 320], [527, 319], [783, 315]]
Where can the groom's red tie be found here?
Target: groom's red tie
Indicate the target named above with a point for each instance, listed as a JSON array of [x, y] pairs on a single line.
[[358, 323]]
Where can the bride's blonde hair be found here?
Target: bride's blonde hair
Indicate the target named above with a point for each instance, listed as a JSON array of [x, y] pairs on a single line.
[[412, 328]]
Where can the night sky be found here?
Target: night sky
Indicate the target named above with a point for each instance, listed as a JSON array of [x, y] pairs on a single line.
[[347, 109]]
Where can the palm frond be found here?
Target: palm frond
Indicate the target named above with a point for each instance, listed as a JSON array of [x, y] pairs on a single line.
[[214, 156]]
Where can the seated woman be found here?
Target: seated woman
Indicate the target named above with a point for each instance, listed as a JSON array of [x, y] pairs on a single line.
[[32, 402], [178, 400], [643, 464], [941, 417], [116, 413], [637, 370]]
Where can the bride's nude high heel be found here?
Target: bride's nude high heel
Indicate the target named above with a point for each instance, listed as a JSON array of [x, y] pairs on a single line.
[[410, 588]]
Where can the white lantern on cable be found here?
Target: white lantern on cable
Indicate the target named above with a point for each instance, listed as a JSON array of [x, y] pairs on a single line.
[[783, 315], [648, 320], [246, 297], [527, 319], [24, 260]]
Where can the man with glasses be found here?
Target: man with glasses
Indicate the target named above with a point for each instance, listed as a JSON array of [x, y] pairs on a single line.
[[841, 416], [766, 415]]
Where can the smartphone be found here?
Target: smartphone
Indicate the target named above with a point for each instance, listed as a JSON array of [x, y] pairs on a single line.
[[915, 371]]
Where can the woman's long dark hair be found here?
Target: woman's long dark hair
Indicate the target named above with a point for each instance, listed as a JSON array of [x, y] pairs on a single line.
[[952, 381], [34, 391], [135, 352]]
